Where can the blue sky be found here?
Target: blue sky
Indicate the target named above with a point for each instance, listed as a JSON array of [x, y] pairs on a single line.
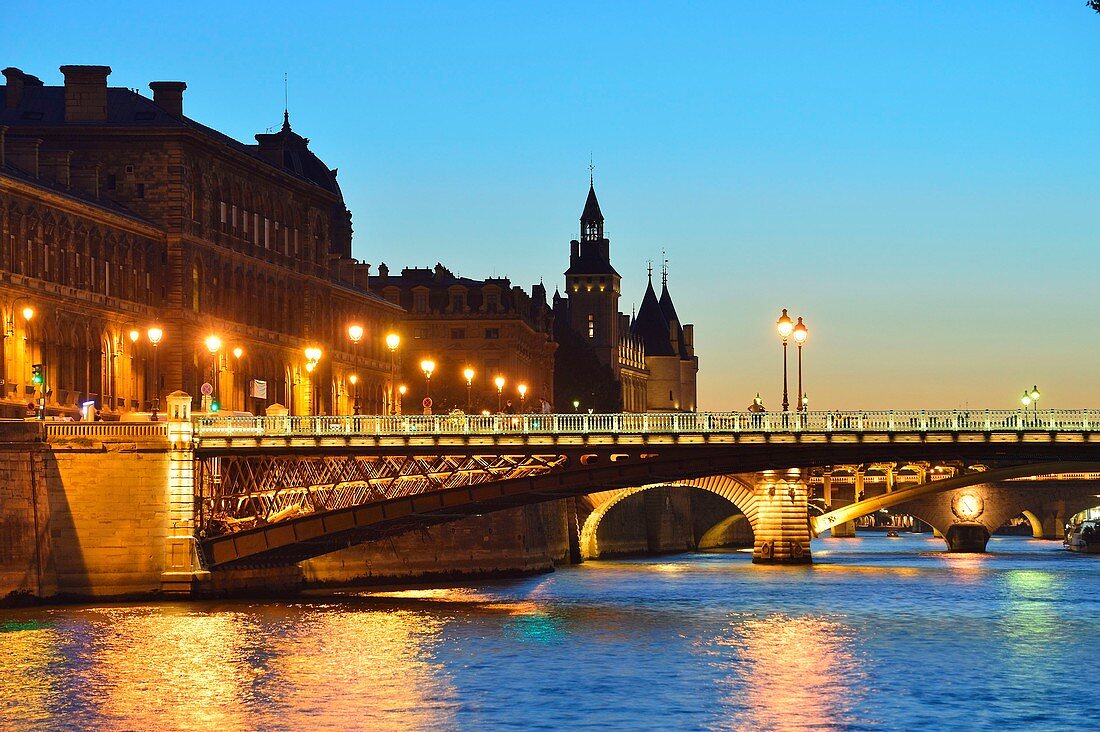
[[918, 180]]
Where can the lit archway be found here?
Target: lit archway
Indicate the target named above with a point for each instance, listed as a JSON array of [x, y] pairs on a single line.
[[735, 489]]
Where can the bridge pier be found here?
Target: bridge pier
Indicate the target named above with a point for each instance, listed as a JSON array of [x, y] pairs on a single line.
[[782, 519], [183, 573], [967, 538], [844, 530]]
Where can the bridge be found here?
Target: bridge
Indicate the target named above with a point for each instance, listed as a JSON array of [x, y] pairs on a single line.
[[279, 489]]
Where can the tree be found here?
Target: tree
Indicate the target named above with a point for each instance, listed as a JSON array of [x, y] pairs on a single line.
[[1095, 5]]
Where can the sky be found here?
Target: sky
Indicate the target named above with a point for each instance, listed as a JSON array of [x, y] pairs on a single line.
[[917, 180]]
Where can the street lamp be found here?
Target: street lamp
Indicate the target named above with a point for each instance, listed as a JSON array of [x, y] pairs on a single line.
[[469, 374], [499, 381], [401, 396], [576, 405], [355, 385], [392, 342], [799, 332], [427, 366], [313, 355], [155, 334], [214, 344], [1035, 400], [522, 389], [238, 353], [785, 326]]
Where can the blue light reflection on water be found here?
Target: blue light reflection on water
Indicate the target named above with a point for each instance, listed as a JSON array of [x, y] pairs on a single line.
[[878, 634]]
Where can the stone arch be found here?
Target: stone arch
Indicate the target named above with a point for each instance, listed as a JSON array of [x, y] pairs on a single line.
[[734, 489]]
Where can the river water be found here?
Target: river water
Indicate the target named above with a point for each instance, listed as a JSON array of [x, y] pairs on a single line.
[[878, 634]]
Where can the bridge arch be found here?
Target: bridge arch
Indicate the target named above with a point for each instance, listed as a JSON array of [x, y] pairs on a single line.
[[735, 489]]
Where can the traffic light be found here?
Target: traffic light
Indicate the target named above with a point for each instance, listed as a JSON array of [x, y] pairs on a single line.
[[214, 406], [38, 376]]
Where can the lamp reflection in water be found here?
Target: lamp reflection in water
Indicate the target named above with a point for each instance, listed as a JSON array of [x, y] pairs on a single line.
[[382, 658], [790, 673]]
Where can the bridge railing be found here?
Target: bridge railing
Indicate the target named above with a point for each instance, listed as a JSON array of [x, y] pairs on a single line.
[[943, 420]]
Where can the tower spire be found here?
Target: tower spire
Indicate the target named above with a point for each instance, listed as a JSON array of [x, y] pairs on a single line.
[[591, 171], [664, 269], [649, 268]]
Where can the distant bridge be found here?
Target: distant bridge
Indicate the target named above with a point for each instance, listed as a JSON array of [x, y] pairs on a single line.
[[281, 489]]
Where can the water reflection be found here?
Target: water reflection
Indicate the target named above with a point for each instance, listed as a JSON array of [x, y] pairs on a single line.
[[28, 649], [789, 673], [376, 668]]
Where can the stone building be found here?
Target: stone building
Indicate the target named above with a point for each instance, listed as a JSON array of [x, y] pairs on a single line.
[[608, 361], [489, 326], [118, 213]]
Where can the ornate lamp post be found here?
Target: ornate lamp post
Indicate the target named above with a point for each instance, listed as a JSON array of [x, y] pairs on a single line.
[[427, 366], [313, 355], [576, 405], [355, 385], [401, 390], [499, 381], [392, 342], [799, 332], [522, 389], [785, 325], [238, 354], [1035, 400], [155, 334], [469, 374], [214, 344]]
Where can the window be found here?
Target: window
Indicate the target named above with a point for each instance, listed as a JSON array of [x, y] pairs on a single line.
[[267, 232], [670, 395], [492, 334], [591, 325], [420, 302], [458, 333], [255, 228], [491, 300], [141, 190], [458, 303], [221, 209], [421, 333]]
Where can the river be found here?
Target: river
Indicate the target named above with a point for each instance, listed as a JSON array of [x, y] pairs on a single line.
[[878, 634]]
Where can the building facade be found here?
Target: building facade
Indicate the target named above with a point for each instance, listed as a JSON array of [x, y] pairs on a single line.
[[608, 361], [120, 215], [490, 327]]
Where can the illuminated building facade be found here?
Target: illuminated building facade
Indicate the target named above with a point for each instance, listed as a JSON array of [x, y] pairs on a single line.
[[489, 326], [119, 214]]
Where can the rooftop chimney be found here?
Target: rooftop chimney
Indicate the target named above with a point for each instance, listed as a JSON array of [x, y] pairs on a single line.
[[17, 84], [168, 95], [85, 93]]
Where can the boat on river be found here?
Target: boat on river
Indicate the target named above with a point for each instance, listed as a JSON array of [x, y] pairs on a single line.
[[1083, 537]]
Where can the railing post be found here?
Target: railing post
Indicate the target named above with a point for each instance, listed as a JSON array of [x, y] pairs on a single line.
[[645, 423], [954, 420], [1085, 419], [859, 422], [987, 422], [584, 423], [890, 421], [923, 421]]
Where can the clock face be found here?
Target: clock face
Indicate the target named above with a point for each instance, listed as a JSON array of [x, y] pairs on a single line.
[[968, 506]]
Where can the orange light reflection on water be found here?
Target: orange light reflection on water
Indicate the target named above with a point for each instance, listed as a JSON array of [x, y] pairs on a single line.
[[801, 673]]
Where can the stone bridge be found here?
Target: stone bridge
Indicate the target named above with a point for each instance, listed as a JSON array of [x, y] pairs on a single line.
[[283, 489]]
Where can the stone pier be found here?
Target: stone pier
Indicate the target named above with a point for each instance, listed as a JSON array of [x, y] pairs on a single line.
[[782, 518]]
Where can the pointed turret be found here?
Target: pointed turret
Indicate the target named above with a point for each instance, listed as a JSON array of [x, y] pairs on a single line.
[[651, 325], [591, 217]]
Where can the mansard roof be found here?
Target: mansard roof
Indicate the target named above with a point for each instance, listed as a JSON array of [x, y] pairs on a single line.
[[44, 106]]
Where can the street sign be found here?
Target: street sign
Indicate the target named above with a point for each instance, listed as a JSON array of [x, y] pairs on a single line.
[[207, 389], [427, 402]]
